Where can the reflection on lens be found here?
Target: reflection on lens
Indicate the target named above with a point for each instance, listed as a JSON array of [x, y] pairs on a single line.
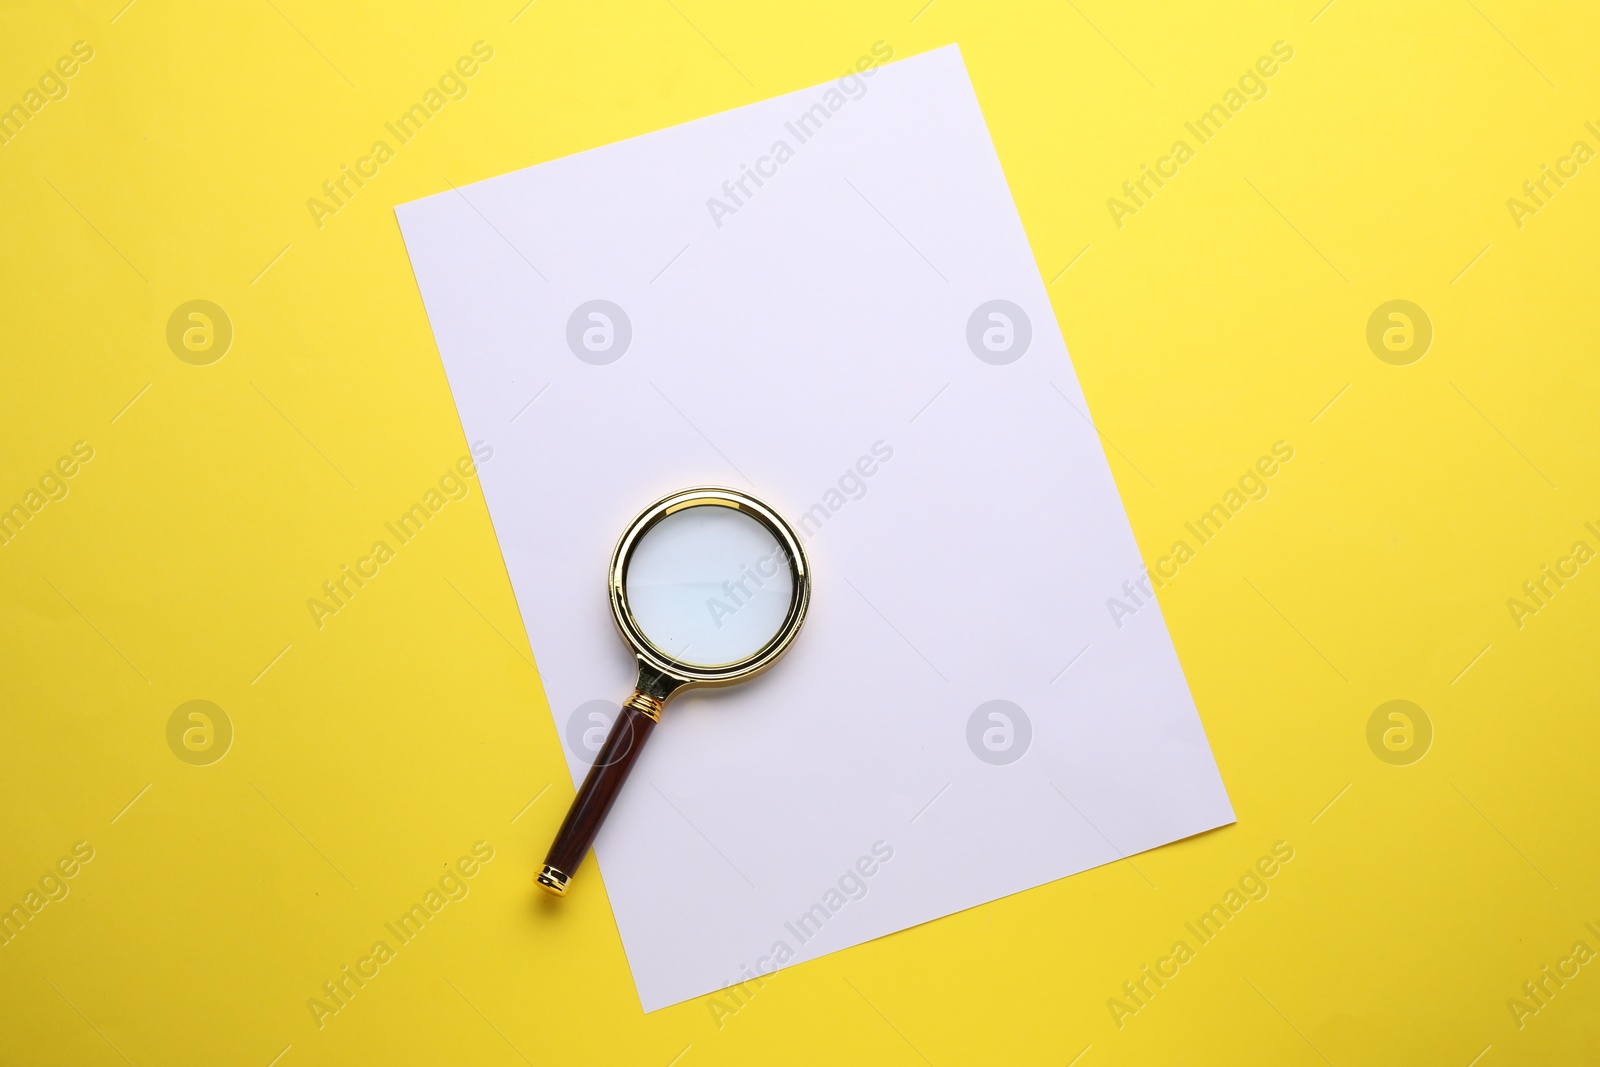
[[709, 585]]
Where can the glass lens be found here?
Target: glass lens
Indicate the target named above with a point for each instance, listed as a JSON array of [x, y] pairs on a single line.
[[709, 585]]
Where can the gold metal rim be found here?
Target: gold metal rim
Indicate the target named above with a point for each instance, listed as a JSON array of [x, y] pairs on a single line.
[[553, 881], [644, 704], [722, 674]]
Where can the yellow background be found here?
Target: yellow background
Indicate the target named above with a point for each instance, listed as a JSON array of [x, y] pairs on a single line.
[[1224, 316]]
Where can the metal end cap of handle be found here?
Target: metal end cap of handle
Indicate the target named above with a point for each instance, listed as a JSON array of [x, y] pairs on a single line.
[[553, 881]]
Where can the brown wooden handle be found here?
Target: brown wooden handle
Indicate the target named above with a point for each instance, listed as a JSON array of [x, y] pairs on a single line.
[[598, 792]]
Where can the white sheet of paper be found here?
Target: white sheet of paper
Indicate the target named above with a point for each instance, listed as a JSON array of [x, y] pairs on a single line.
[[811, 345]]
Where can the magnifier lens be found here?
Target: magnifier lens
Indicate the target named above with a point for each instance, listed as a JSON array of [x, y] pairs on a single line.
[[709, 585]]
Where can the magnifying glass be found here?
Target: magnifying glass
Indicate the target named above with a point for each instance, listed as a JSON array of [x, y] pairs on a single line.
[[708, 587]]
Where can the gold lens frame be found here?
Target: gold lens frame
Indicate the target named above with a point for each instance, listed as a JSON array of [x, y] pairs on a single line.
[[661, 675]]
